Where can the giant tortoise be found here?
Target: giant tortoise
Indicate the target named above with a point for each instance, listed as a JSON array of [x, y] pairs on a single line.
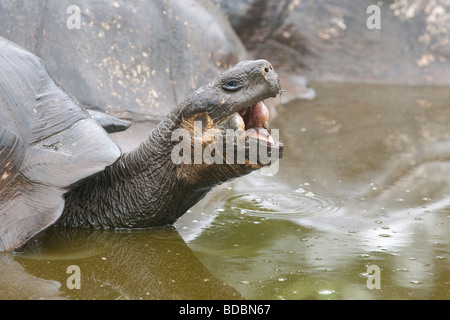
[[132, 59], [59, 166]]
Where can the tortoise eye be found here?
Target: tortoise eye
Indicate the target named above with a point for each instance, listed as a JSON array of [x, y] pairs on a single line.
[[232, 85]]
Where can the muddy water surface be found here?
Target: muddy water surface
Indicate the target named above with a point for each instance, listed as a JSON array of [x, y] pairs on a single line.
[[365, 181]]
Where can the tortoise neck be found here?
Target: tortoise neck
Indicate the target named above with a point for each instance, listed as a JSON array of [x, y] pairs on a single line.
[[141, 189], [153, 154]]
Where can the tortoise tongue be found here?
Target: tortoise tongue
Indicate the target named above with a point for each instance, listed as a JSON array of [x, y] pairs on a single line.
[[255, 117], [257, 123], [259, 115]]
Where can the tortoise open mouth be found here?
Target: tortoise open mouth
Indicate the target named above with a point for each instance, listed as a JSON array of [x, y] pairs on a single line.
[[252, 123], [254, 120]]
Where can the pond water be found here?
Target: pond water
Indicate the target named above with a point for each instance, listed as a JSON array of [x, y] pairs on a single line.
[[364, 182]]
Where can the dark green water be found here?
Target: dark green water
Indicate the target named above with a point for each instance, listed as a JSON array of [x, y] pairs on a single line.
[[365, 181]]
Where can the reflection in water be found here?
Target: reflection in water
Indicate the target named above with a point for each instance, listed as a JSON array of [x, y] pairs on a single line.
[[138, 264], [364, 181]]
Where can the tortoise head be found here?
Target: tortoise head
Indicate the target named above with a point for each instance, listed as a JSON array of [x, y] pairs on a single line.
[[227, 123]]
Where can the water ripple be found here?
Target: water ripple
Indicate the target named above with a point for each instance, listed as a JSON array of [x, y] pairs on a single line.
[[285, 204]]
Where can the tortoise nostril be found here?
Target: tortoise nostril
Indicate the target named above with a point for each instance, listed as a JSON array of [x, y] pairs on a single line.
[[266, 69]]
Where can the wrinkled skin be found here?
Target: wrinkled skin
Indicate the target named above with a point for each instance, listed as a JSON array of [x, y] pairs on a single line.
[[145, 188]]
